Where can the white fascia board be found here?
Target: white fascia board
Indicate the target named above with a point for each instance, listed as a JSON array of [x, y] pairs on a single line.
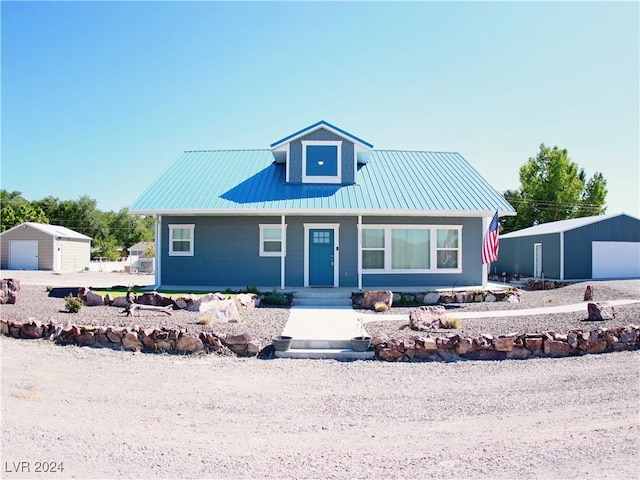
[[324, 212], [328, 128]]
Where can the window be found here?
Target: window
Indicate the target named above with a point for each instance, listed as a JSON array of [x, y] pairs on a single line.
[[373, 248], [321, 161], [271, 240], [447, 248], [181, 240], [410, 249]]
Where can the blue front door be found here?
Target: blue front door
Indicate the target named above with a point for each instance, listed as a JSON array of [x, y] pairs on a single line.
[[321, 257]]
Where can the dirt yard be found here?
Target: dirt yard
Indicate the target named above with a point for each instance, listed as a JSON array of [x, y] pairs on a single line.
[[112, 414]]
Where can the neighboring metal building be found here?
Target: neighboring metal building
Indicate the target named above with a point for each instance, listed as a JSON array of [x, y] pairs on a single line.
[[599, 247], [37, 246]]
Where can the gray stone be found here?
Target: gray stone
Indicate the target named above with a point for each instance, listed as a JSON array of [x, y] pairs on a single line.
[[431, 298], [600, 311]]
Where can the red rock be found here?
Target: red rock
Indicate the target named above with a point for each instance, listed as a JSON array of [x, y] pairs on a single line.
[[600, 311], [93, 299], [518, 353], [86, 338], [253, 347], [464, 346], [430, 344], [409, 344], [4, 327], [427, 318], [379, 340], [390, 355], [588, 294], [114, 334], [533, 343], [555, 348], [597, 347], [120, 302], [130, 341], [447, 354], [31, 330], [503, 344], [241, 339], [187, 343], [373, 297]]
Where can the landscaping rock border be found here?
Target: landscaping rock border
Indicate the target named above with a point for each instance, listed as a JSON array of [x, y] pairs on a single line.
[[518, 346]]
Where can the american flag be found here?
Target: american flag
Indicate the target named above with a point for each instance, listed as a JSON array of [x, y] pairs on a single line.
[[490, 242]]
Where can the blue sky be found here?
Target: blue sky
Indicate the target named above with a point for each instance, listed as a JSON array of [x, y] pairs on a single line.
[[98, 98]]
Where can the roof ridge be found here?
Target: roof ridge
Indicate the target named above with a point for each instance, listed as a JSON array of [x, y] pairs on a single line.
[[229, 150], [412, 151]]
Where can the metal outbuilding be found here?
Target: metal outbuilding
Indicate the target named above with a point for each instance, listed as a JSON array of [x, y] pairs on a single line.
[[37, 246], [597, 247]]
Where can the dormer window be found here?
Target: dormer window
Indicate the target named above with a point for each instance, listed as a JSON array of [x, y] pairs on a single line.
[[321, 161]]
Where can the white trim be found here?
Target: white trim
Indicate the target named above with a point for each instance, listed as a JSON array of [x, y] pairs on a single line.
[[283, 254], [305, 132], [359, 250], [283, 233], [326, 212], [485, 266], [158, 247], [562, 256], [182, 226], [433, 248], [336, 244], [320, 179]]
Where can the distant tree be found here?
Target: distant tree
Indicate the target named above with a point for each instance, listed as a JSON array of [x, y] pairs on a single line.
[[149, 251], [552, 188], [129, 229], [15, 210]]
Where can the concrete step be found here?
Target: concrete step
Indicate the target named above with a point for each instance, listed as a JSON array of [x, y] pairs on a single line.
[[321, 302], [328, 293], [326, 353], [301, 343]]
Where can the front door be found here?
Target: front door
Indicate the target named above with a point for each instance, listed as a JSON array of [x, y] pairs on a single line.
[[537, 260], [321, 257]]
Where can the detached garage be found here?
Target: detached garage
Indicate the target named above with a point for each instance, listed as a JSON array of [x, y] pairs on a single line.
[[600, 247], [36, 246]]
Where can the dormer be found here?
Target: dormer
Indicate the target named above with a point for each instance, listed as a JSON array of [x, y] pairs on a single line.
[[321, 153]]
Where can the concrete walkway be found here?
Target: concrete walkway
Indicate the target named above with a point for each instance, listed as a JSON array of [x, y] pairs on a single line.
[[576, 307], [329, 323]]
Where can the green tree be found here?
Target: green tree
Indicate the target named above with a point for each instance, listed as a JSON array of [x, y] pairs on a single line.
[[552, 188], [15, 210]]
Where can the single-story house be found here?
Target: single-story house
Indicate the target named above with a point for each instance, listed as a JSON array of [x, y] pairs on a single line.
[[320, 208], [137, 261], [38, 246], [598, 247]]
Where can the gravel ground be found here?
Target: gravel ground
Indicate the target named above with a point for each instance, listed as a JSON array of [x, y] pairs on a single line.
[[264, 323], [104, 413], [113, 414]]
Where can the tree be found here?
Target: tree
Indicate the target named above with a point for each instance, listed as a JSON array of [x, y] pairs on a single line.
[[15, 210], [552, 188]]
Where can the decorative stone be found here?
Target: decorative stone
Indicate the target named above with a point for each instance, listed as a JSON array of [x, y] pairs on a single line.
[[431, 298], [427, 318], [390, 355], [181, 304], [221, 310], [512, 298], [447, 354], [114, 334], [31, 330], [518, 353], [503, 344], [130, 341], [533, 343], [253, 347], [373, 297], [241, 339], [120, 302], [556, 348], [430, 344], [588, 294], [464, 346], [187, 343], [93, 299], [379, 340], [600, 311], [490, 297]]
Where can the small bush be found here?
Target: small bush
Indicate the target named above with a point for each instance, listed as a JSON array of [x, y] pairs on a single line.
[[276, 299], [252, 289], [49, 288], [72, 304], [452, 323], [205, 319], [380, 307]]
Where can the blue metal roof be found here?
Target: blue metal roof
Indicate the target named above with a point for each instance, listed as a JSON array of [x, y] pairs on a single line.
[[316, 125], [249, 181]]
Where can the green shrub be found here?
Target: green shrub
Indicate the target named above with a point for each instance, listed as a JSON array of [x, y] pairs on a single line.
[[72, 304], [252, 289], [49, 288], [277, 299]]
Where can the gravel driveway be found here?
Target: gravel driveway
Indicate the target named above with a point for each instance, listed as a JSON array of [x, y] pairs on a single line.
[[113, 414]]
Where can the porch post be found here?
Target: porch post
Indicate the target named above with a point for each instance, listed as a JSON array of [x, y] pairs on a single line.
[[359, 252], [158, 252], [283, 250], [485, 279]]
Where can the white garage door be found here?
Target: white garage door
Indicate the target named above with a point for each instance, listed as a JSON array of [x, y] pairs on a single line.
[[615, 259], [23, 255]]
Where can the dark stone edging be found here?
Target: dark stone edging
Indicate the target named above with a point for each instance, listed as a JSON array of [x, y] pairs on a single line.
[[135, 338], [419, 347], [514, 346]]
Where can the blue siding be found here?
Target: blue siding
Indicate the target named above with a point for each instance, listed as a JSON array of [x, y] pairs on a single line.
[[226, 252], [295, 152], [515, 255], [578, 249]]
